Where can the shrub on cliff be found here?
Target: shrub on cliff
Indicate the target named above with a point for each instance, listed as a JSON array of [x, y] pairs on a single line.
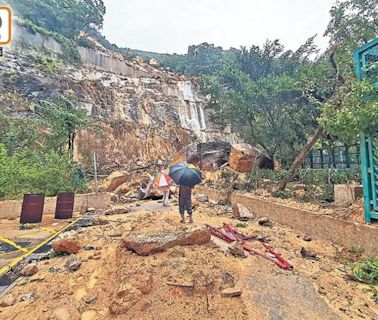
[[31, 171]]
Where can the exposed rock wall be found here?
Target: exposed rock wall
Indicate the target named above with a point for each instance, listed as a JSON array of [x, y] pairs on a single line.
[[147, 113]]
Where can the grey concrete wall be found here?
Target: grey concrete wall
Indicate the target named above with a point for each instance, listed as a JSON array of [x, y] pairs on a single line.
[[342, 232], [108, 63], [36, 40], [12, 209], [88, 56]]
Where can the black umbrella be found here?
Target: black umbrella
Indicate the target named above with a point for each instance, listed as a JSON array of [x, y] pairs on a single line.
[[185, 174]]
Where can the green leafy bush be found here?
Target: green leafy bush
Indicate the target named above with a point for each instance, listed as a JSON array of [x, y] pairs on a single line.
[[48, 64], [28, 171], [367, 271]]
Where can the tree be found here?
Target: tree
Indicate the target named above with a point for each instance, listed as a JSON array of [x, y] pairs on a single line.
[[63, 120], [353, 23], [67, 17], [260, 95]]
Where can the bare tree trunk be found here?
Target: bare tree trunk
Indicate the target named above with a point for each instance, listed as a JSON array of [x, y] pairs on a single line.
[[301, 157]]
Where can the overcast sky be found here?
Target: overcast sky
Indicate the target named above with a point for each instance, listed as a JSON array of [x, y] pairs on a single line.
[[172, 25]]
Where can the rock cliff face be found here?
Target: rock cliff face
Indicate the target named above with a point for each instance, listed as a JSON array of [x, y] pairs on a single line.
[[147, 113]]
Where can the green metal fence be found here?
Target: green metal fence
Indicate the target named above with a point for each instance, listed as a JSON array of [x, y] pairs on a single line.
[[366, 66], [343, 157]]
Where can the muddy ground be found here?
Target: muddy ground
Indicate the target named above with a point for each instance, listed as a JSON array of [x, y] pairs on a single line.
[[186, 282]]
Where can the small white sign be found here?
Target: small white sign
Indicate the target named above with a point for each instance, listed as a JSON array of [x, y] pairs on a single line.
[[5, 25]]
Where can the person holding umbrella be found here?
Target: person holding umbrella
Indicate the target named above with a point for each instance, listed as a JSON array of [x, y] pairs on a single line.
[[163, 181], [186, 176]]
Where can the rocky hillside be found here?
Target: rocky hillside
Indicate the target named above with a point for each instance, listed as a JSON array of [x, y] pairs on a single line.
[[147, 113]]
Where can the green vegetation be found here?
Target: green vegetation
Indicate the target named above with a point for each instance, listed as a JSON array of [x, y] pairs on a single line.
[[314, 184], [367, 271], [261, 94], [69, 47], [284, 101], [64, 17], [64, 120], [47, 64], [35, 171], [36, 150]]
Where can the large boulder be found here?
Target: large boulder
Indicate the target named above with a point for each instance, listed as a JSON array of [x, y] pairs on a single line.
[[243, 156], [66, 246], [208, 156], [154, 242], [113, 181], [240, 211]]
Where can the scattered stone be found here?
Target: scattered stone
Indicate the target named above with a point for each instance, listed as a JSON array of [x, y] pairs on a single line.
[[90, 298], [73, 263], [309, 254], [117, 210], [62, 314], [237, 250], [8, 301], [66, 246], [29, 270], [125, 298], [241, 225], [322, 291], [307, 238], [115, 233], [88, 315], [264, 221], [88, 248], [201, 197], [43, 256], [154, 242], [80, 294], [55, 269], [28, 226], [153, 62], [27, 297], [228, 280], [231, 292], [326, 268], [262, 238], [99, 221], [241, 211], [138, 60], [37, 278]]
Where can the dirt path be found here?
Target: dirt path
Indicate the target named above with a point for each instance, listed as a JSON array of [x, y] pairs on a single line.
[[186, 282]]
